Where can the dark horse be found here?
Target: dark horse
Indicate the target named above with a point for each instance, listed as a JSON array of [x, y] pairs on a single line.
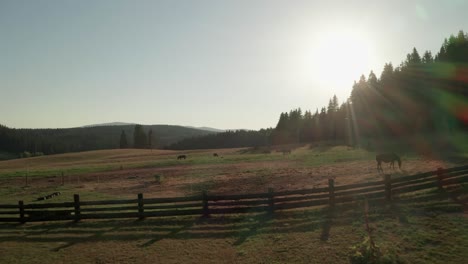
[[387, 157], [181, 157]]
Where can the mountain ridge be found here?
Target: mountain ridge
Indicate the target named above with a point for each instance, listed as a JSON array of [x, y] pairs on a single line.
[[205, 128]]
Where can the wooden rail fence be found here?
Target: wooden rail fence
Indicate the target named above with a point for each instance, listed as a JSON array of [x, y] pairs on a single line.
[[387, 190]]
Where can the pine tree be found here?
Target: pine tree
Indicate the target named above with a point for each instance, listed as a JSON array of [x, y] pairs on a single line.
[[139, 137], [427, 57], [150, 139], [372, 80], [123, 140]]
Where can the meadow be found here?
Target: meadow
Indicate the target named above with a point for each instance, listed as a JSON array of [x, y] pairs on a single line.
[[423, 231]]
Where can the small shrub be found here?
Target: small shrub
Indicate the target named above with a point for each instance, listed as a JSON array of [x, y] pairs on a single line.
[[368, 252], [25, 154], [158, 178]]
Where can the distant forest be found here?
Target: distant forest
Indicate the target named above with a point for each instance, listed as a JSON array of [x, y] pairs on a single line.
[[228, 139], [425, 94], [14, 142]]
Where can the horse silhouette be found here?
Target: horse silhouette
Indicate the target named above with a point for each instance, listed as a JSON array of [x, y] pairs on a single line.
[[181, 157], [387, 158]]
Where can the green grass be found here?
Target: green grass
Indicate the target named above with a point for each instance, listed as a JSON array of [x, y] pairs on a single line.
[[310, 236], [428, 230], [114, 160], [330, 155], [29, 194], [453, 146], [91, 162]]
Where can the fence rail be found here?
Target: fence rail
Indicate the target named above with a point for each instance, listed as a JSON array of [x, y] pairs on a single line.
[[209, 204]]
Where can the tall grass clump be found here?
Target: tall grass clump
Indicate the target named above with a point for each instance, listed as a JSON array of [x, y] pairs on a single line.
[[367, 251]]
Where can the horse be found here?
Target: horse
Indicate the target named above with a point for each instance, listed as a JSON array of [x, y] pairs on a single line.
[[286, 151], [215, 155], [387, 158], [181, 157]]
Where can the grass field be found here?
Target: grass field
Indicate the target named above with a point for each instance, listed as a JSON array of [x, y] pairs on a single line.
[[424, 231]]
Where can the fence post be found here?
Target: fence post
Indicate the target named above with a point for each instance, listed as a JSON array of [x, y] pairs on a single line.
[[63, 179], [331, 192], [76, 198], [271, 202], [141, 210], [388, 187], [21, 212], [440, 177], [206, 210]]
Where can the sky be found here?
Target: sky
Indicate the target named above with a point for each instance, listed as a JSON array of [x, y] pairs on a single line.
[[222, 64]]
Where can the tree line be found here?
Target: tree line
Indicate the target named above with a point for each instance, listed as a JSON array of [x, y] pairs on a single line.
[[228, 139], [425, 94], [31, 142], [140, 138]]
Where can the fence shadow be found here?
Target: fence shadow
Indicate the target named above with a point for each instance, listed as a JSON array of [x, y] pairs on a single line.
[[287, 212], [239, 228]]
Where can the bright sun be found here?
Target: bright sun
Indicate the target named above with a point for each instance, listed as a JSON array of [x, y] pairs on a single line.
[[340, 57]]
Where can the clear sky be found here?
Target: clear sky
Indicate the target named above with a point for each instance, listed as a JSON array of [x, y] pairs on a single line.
[[223, 64]]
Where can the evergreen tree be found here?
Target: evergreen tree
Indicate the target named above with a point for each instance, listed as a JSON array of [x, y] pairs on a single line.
[[283, 122], [412, 58], [139, 137], [123, 140], [427, 57], [150, 139], [372, 80]]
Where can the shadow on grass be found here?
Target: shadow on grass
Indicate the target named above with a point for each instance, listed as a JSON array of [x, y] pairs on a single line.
[[327, 223], [238, 227]]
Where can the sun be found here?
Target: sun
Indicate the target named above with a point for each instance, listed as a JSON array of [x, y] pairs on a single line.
[[340, 57]]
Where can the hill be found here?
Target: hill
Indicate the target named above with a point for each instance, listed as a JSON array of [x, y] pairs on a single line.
[[52, 141], [111, 124]]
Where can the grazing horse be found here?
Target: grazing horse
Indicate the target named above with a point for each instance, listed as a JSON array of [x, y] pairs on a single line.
[[215, 155], [48, 196], [286, 151], [181, 157], [387, 157]]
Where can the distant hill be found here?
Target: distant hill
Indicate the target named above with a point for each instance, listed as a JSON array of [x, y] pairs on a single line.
[[208, 129], [211, 129], [51, 141], [111, 124]]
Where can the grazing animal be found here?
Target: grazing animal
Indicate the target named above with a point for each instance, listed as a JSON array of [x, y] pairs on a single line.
[[181, 157], [387, 158], [48, 196], [215, 155], [286, 151]]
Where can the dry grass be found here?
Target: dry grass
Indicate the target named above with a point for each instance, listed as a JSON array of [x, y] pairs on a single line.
[[418, 233]]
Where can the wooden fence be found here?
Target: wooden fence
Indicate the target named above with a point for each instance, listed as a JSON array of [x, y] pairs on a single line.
[[387, 190]]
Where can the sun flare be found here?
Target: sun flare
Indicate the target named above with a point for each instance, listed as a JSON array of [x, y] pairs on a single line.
[[341, 57]]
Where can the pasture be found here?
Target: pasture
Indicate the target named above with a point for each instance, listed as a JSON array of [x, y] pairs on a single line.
[[426, 231]]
